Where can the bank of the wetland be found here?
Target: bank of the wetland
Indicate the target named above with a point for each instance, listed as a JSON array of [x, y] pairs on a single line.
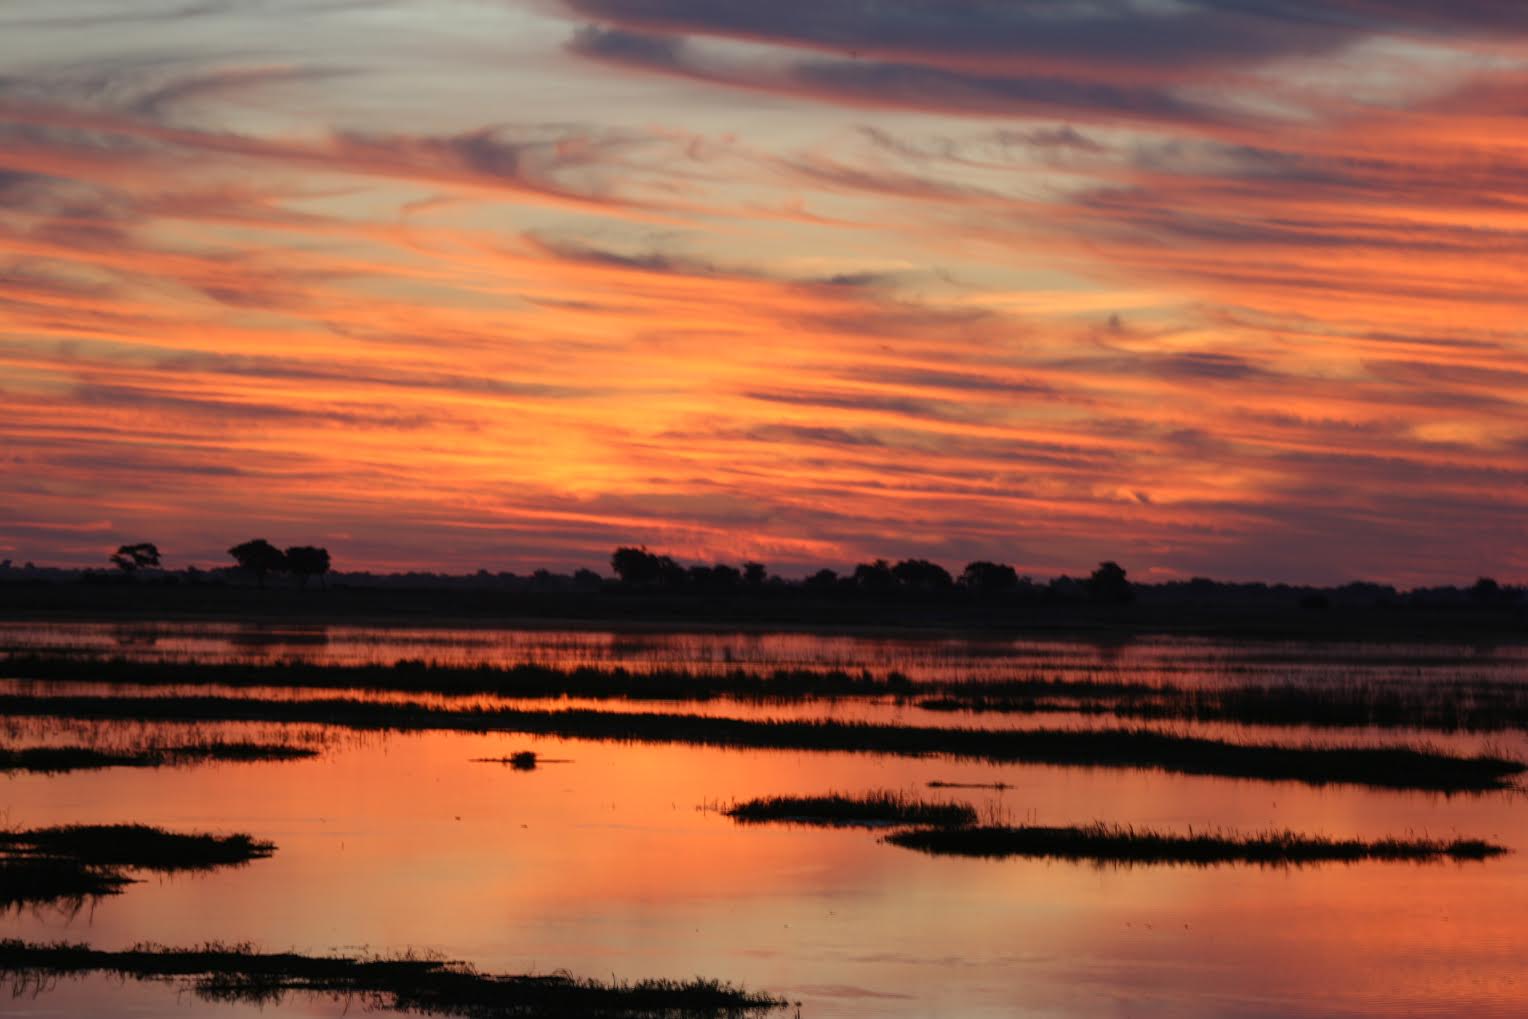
[[1388, 767], [52, 760], [407, 983], [1121, 844], [74, 863], [876, 809]]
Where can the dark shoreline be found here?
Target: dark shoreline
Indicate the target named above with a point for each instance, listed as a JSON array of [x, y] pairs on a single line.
[[43, 602]]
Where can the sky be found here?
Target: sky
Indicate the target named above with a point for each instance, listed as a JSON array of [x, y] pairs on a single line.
[[1225, 288]]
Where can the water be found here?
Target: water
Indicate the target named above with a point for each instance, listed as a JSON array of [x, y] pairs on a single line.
[[1186, 661], [616, 863]]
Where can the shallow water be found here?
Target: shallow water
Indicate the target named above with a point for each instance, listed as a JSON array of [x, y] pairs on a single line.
[[616, 863], [1145, 659]]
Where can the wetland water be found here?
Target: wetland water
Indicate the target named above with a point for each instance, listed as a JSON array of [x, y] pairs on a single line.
[[617, 862]]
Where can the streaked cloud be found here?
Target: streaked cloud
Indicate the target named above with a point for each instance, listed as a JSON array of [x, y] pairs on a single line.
[[1212, 287]]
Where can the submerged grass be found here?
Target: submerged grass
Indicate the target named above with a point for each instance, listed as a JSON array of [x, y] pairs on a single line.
[[1394, 767], [405, 984], [839, 809], [56, 760], [1106, 843], [73, 863]]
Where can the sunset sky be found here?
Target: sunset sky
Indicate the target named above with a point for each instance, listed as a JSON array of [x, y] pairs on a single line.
[[1233, 288]]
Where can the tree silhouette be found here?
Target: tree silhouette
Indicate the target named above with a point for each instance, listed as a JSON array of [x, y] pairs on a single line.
[[1486, 591], [755, 574], [305, 561], [822, 582], [259, 557], [1108, 584], [875, 577], [131, 558], [719, 578], [639, 566], [922, 575], [989, 578]]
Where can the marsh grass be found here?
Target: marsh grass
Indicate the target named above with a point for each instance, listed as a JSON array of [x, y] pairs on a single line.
[[527, 680], [1451, 705], [1108, 843], [73, 863], [873, 809], [1390, 767], [1437, 706], [57, 760], [407, 983]]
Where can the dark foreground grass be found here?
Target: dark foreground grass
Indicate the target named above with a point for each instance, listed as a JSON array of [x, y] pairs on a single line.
[[1105, 843], [1380, 767], [837, 809], [407, 984], [57, 760], [78, 862]]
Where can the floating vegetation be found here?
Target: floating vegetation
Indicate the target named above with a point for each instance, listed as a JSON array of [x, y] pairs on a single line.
[[1392, 767], [78, 862], [837, 809], [56, 760], [1106, 843], [525, 760], [408, 983]]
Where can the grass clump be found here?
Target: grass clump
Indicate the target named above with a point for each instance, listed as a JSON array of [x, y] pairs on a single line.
[[836, 809], [57, 760], [1107, 843], [1388, 767], [404, 984], [74, 863]]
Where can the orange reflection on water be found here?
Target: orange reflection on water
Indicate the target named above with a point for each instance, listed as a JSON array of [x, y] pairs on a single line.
[[610, 864]]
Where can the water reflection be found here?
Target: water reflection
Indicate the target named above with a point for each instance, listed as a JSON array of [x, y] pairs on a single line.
[[608, 865], [1151, 659], [611, 865]]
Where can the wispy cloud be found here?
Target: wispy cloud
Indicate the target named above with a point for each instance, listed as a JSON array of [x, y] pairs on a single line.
[[1218, 286]]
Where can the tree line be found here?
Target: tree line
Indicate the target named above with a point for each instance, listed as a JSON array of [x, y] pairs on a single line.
[[642, 573], [638, 568], [256, 556]]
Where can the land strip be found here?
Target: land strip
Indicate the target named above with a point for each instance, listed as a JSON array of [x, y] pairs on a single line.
[[74, 863], [1393, 767], [52, 760], [841, 810], [238, 973], [1105, 843]]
